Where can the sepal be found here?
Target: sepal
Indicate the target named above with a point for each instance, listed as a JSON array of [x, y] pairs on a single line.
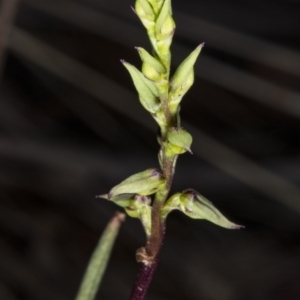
[[147, 90], [196, 206], [144, 183], [183, 72], [123, 200], [176, 96], [144, 10]]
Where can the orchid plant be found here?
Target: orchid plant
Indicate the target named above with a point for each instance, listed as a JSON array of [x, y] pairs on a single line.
[[145, 195]]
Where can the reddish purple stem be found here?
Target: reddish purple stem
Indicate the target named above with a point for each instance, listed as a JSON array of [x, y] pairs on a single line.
[[143, 281], [146, 272]]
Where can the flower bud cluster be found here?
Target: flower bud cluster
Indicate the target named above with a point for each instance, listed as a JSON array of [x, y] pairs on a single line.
[[156, 17], [159, 95]]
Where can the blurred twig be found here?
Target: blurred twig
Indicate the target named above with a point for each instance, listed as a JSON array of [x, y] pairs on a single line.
[[7, 14]]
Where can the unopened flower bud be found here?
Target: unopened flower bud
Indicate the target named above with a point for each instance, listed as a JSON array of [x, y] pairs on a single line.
[[171, 204], [144, 210], [164, 31], [165, 25], [156, 4], [152, 67], [147, 15], [144, 10], [179, 140], [136, 203]]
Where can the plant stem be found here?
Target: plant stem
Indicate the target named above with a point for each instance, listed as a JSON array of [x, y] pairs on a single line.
[[149, 256], [146, 273]]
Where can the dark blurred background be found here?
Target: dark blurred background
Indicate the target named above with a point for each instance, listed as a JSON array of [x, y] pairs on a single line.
[[71, 127]]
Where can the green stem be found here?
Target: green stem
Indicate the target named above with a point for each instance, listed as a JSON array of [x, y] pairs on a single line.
[[98, 262]]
